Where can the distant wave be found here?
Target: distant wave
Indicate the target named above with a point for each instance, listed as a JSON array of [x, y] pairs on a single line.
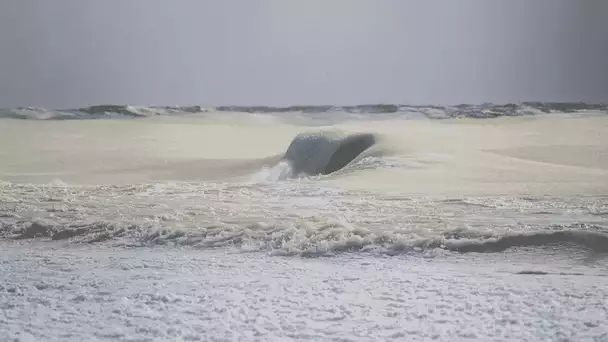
[[486, 110], [96, 112]]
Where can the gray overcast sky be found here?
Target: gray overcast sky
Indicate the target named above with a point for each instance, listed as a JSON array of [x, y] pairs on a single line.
[[66, 53]]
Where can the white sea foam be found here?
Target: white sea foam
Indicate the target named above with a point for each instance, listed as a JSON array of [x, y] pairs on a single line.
[[279, 172]]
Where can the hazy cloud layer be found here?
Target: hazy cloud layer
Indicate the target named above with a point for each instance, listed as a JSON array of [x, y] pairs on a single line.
[[67, 53]]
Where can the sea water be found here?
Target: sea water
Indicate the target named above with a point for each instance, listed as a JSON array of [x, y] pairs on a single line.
[[186, 223]]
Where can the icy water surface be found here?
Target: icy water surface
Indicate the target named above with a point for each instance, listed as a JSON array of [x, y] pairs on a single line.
[[279, 226]]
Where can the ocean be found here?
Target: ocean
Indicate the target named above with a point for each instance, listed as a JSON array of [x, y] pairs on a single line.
[[319, 223]]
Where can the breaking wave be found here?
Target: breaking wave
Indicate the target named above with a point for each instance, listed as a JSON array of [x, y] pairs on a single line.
[[290, 219], [303, 239], [322, 153], [481, 111]]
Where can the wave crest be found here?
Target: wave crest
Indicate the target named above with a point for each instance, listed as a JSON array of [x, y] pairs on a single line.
[[326, 152]]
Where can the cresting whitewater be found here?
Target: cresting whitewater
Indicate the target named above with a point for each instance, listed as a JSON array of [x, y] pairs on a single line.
[[144, 213]]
